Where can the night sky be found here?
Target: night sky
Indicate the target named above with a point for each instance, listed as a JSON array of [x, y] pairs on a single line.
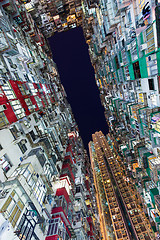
[[70, 52]]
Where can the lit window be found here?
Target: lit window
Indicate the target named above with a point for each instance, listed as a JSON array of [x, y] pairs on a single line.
[[8, 91], [18, 110]]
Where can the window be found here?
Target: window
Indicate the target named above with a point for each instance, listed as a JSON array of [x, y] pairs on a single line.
[[29, 104], [129, 17], [23, 88], [3, 120], [26, 227], [22, 145], [5, 162], [136, 70], [53, 227], [126, 72], [35, 118], [33, 90], [44, 100], [38, 101], [117, 63], [8, 91], [33, 136], [15, 131], [26, 77], [149, 39], [39, 191], [78, 189], [1, 147], [124, 56], [151, 84], [133, 51], [17, 76], [18, 110], [12, 208], [120, 75]]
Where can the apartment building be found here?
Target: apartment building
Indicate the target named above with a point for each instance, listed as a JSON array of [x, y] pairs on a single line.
[[44, 187], [123, 39], [122, 216], [55, 16]]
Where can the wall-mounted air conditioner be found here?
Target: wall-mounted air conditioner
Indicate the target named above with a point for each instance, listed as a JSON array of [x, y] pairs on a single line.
[[143, 46], [13, 66], [128, 47], [23, 141], [3, 107], [4, 70], [27, 92], [152, 57]]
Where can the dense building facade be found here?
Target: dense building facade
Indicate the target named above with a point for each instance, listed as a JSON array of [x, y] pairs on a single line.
[[123, 216], [55, 15], [123, 39], [46, 192]]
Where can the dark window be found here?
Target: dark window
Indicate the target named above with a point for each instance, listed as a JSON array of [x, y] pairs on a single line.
[[138, 83], [151, 84], [78, 189], [145, 162], [123, 42], [1, 147], [33, 136], [35, 117], [137, 73], [22, 146], [45, 122], [14, 131], [117, 63]]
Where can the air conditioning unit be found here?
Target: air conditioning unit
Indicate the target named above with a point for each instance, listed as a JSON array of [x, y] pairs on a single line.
[[4, 70], [152, 57], [19, 133], [3, 107], [122, 64], [2, 82], [24, 141], [27, 92], [128, 47], [143, 46], [128, 78], [112, 52], [14, 66]]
